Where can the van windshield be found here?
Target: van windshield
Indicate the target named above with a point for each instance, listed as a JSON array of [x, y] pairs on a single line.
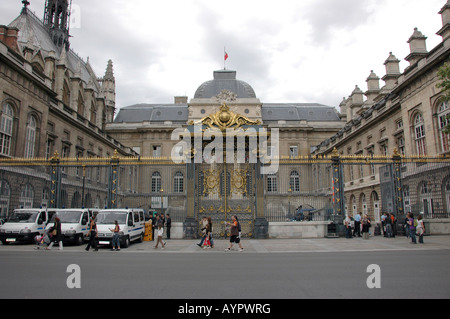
[[109, 218], [67, 217], [23, 217]]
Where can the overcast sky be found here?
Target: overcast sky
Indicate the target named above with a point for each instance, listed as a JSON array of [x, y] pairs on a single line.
[[287, 50]]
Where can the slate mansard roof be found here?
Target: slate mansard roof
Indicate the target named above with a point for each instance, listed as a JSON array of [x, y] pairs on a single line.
[[153, 113], [311, 112], [179, 113]]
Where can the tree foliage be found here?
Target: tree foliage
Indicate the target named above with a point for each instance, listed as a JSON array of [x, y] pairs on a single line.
[[444, 84]]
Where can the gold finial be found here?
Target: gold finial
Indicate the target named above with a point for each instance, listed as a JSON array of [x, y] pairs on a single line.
[[115, 155], [55, 157], [396, 153], [335, 153]]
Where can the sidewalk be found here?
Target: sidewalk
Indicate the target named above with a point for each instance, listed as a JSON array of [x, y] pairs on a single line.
[[303, 245], [320, 245]]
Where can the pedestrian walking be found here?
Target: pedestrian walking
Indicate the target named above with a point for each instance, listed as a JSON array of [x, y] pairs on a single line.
[[366, 224], [208, 241], [210, 232], [203, 229], [159, 234], [235, 233], [116, 237], [412, 228], [56, 234], [93, 235], [420, 229], [168, 225]]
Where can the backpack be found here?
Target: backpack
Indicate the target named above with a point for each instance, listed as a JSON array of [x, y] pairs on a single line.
[[239, 227], [416, 223]]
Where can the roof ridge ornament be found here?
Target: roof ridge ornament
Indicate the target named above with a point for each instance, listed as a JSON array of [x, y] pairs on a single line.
[[224, 118], [226, 96]]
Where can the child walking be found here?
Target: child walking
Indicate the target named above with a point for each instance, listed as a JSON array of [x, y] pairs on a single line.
[[159, 233]]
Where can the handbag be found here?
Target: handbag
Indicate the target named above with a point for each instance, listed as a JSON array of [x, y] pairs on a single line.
[[419, 231]]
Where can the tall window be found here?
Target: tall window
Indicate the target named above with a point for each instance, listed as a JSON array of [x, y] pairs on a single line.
[[26, 196], [426, 197], [6, 129], [178, 183], [93, 118], [30, 138], [156, 182], [295, 181], [66, 94], [5, 193], [272, 186], [443, 113], [419, 130]]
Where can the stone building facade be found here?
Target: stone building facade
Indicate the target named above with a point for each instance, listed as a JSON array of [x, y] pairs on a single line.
[[50, 101], [407, 114]]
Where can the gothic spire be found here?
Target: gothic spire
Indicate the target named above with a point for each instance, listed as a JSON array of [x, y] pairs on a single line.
[[109, 74], [56, 19]]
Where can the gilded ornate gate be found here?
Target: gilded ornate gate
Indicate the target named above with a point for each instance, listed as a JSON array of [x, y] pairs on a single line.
[[223, 190]]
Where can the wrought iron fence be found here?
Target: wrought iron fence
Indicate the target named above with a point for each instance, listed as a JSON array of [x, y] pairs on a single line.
[[303, 189]]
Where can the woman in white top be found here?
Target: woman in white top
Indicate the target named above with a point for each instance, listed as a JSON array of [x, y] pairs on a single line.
[[159, 233], [420, 229]]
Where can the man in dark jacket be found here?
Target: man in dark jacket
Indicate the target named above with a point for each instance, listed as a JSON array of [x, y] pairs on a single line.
[[168, 225]]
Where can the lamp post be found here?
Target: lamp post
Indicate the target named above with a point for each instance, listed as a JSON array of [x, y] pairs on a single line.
[[289, 200], [161, 191]]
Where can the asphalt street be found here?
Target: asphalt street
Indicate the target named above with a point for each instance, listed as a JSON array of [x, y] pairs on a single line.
[[260, 272]]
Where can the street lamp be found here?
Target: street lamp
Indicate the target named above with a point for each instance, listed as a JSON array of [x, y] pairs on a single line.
[[289, 198], [161, 191]]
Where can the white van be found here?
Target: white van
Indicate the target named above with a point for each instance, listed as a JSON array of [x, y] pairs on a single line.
[[23, 225], [74, 224], [131, 223]]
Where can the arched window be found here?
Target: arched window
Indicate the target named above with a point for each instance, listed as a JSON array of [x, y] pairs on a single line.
[[6, 129], [294, 182], [419, 131], [178, 183], [406, 198], [443, 113], [26, 196], [447, 194], [426, 198], [93, 118], [80, 107], [30, 138], [364, 204], [45, 197], [376, 205], [156, 182], [66, 94]]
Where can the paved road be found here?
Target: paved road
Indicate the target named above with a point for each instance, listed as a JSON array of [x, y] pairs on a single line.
[[334, 269]]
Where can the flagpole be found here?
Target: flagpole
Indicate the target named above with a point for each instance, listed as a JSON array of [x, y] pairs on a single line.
[[224, 59]]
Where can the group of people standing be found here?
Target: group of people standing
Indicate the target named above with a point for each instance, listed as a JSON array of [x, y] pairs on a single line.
[[414, 228], [360, 225], [207, 240]]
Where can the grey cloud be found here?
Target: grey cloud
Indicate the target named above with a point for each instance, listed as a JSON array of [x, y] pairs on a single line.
[[325, 16], [245, 45]]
